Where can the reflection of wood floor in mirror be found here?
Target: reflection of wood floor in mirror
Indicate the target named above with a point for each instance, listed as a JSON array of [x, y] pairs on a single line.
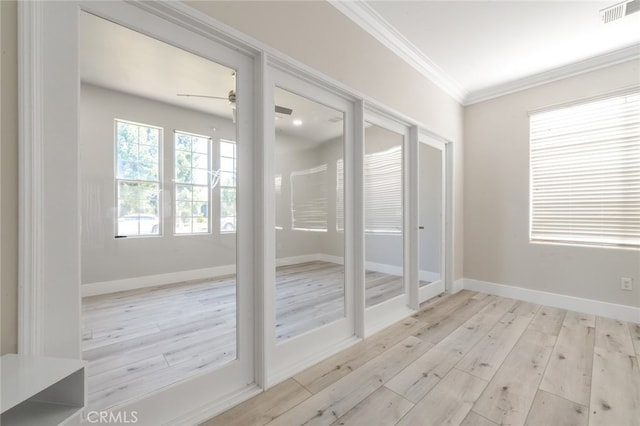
[[139, 341]]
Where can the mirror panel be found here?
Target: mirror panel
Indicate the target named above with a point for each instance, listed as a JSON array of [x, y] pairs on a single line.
[[383, 211], [430, 167], [158, 207], [309, 147]]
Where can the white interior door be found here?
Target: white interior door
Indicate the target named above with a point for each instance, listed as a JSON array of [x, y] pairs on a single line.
[[431, 214]]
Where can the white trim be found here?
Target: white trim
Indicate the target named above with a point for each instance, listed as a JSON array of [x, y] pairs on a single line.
[[625, 54], [377, 26], [572, 303], [383, 315], [115, 286], [369, 20], [430, 291], [31, 239], [384, 268]]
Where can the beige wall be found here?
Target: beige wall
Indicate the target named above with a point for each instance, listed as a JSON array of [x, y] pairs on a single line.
[[318, 35], [496, 205], [9, 176]]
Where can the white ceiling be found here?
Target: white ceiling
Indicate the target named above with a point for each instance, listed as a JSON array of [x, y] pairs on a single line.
[[121, 59], [482, 48]]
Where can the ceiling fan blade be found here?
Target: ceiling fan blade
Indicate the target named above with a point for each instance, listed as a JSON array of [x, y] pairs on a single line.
[[226, 98], [283, 110]]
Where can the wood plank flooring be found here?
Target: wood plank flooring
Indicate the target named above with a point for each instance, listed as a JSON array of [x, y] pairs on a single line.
[[467, 359], [139, 341]]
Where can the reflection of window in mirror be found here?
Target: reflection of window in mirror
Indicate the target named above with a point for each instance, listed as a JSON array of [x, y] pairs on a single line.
[[138, 158], [309, 199], [192, 193], [227, 186]]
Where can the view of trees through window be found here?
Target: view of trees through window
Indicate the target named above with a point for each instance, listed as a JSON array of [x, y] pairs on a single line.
[[192, 177], [138, 179], [227, 186]]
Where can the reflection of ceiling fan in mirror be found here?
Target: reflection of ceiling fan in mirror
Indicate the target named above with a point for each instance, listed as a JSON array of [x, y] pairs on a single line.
[[231, 98]]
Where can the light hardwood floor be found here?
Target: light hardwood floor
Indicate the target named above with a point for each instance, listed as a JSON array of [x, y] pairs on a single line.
[[467, 359], [139, 341]]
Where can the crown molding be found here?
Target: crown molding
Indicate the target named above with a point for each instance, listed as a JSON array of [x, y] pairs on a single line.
[[618, 56], [373, 23], [369, 20]]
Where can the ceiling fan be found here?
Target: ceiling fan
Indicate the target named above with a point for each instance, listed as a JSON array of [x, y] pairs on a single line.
[[231, 97]]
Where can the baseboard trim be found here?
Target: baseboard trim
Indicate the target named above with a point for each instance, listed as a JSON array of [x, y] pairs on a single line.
[[115, 286], [457, 285], [384, 268], [578, 304]]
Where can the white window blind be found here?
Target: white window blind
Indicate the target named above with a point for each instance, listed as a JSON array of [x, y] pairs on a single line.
[[309, 199], [383, 191], [585, 173]]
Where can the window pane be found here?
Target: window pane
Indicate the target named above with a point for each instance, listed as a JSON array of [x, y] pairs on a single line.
[[227, 149], [201, 194], [227, 164], [137, 208], [584, 162], [201, 145], [183, 193], [228, 202], [183, 142], [192, 167], [137, 152], [200, 161], [200, 177], [227, 179]]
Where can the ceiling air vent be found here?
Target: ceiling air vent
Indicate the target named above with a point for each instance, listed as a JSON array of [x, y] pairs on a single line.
[[619, 11]]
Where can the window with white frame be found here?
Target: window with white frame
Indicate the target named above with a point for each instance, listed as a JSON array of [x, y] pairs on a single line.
[[138, 178], [227, 186], [192, 162], [309, 199], [585, 173]]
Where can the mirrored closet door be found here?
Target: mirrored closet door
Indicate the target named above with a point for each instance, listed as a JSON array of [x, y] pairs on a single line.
[[313, 302], [431, 195], [165, 155]]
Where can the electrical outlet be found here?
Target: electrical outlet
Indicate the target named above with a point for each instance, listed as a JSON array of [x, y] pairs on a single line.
[[626, 283]]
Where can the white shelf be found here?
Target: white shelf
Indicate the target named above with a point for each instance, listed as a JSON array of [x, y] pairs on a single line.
[[40, 390]]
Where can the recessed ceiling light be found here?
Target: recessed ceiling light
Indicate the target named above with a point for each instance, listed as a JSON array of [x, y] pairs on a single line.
[[297, 122]]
